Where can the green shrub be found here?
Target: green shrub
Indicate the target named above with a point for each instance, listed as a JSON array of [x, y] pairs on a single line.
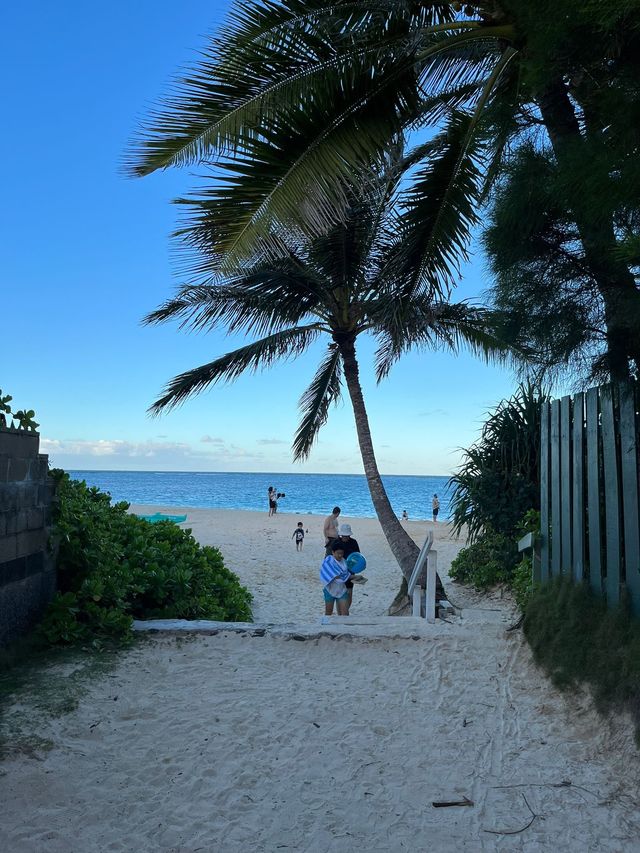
[[487, 561], [493, 558], [522, 579], [114, 567], [578, 640], [521, 582]]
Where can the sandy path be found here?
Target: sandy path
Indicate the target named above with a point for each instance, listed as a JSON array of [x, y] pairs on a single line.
[[234, 743]]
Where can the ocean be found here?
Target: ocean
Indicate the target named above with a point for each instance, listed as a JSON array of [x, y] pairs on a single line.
[[304, 493]]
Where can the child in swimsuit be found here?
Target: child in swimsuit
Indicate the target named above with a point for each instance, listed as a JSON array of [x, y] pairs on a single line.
[[298, 535]]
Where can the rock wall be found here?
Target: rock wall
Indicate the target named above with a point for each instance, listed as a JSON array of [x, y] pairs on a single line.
[[27, 565]]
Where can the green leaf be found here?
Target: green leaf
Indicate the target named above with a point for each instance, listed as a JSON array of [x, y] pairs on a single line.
[[285, 344], [315, 402]]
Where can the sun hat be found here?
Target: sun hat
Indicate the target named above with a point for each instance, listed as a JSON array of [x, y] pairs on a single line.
[[345, 530]]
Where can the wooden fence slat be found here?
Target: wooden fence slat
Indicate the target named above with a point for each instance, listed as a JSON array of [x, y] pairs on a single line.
[[544, 493], [565, 485], [629, 465], [556, 534], [593, 492], [577, 502], [611, 495]]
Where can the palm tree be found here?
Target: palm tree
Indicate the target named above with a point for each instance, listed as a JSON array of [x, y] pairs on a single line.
[[361, 277], [294, 97]]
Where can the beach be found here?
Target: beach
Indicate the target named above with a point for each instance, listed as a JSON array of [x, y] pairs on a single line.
[[284, 582], [234, 742]]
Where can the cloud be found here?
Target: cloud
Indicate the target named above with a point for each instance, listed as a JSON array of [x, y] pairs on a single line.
[[77, 453], [110, 447], [271, 441], [207, 439]]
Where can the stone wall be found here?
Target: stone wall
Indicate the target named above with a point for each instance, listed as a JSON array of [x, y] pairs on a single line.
[[27, 566]]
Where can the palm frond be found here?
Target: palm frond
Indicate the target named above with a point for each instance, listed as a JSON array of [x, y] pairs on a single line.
[[315, 402], [264, 299], [296, 97], [499, 121], [287, 343], [299, 171], [441, 325], [269, 58], [438, 213]]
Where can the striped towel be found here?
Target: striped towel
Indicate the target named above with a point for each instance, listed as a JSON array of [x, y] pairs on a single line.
[[332, 568]]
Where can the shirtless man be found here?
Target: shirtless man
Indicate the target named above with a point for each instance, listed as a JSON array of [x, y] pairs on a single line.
[[330, 528]]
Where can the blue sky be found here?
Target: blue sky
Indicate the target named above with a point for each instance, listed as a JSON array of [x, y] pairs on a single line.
[[86, 253]]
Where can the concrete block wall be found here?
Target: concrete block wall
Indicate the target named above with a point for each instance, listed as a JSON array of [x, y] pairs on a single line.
[[27, 567]]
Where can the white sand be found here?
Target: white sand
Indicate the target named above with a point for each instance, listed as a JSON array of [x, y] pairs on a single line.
[[285, 582], [235, 743]]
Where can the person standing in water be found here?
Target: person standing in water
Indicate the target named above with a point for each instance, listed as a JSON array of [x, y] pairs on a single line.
[[435, 507]]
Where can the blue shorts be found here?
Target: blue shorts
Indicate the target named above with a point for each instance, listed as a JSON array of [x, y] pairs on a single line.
[[329, 598]]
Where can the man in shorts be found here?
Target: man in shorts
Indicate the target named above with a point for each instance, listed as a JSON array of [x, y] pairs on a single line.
[[435, 507], [330, 529]]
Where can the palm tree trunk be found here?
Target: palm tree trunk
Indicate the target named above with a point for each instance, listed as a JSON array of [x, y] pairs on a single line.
[[403, 547]]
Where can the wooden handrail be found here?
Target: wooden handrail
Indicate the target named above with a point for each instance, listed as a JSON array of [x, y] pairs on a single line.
[[422, 556]]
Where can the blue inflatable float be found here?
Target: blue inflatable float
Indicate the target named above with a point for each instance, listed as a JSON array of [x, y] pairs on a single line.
[[159, 516], [356, 563]]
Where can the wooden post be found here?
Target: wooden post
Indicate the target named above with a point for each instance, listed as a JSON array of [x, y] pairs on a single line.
[[611, 495], [430, 605], [593, 492], [629, 461], [544, 493], [556, 528], [577, 498], [416, 603], [565, 485]]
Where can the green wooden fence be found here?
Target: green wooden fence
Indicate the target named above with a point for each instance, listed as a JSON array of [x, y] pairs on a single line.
[[590, 527]]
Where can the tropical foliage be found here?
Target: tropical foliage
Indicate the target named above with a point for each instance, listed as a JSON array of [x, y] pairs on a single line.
[[543, 280], [496, 496], [24, 418], [294, 97], [493, 559], [364, 276], [488, 561], [498, 480], [114, 567]]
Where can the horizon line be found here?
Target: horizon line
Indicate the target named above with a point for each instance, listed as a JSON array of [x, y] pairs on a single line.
[[255, 473]]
